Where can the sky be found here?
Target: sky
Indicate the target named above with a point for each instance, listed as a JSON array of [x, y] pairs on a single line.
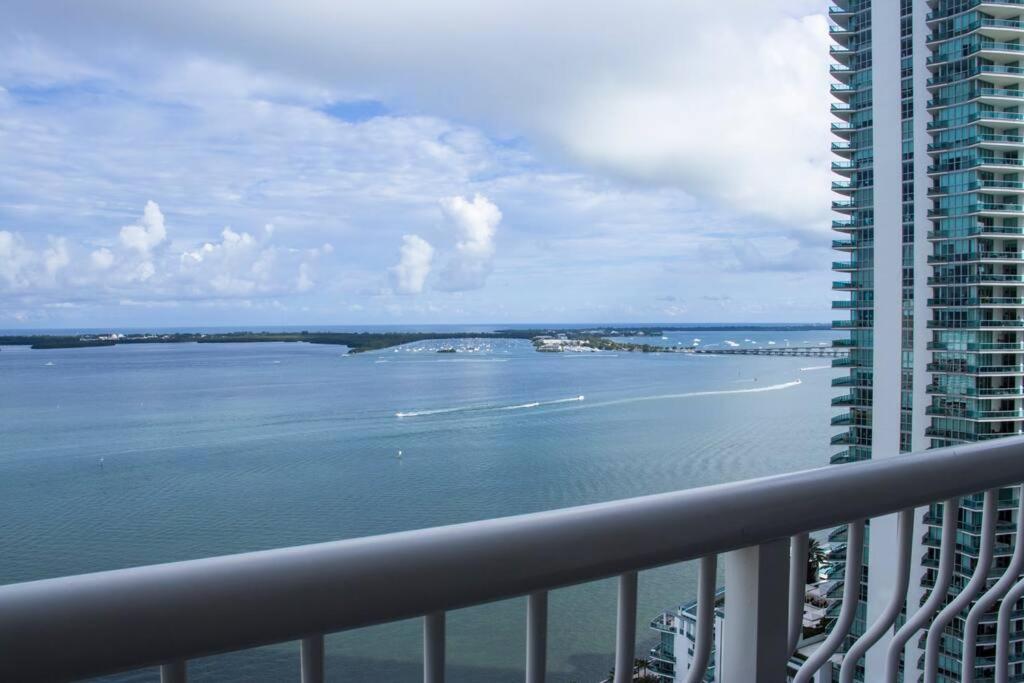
[[250, 162]]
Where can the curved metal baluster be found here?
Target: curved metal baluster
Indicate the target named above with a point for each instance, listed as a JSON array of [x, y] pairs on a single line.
[[935, 598], [851, 595], [1003, 632], [705, 619], [957, 604], [797, 588], [887, 618], [625, 629], [988, 600]]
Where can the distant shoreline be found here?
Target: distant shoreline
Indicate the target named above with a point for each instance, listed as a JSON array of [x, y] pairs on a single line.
[[358, 342]]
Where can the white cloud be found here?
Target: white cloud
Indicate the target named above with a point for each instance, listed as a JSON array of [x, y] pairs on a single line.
[[18, 263], [102, 258], [148, 233], [475, 223], [412, 270], [730, 105], [238, 265], [622, 145]]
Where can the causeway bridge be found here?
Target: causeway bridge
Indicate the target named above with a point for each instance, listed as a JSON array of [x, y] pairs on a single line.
[[808, 351]]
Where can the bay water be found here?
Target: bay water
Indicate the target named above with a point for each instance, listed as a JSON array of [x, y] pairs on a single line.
[[129, 455]]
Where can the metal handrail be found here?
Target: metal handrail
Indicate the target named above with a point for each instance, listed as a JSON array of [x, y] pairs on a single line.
[[125, 619]]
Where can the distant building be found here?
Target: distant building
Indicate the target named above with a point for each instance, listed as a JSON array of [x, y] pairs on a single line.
[[672, 657]]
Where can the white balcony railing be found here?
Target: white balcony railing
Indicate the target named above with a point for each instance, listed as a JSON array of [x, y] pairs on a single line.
[[164, 615]]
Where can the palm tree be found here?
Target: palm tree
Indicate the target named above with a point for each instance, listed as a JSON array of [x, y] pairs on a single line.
[[816, 556]]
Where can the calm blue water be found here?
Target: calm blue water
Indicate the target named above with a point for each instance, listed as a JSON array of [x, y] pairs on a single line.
[[211, 449]]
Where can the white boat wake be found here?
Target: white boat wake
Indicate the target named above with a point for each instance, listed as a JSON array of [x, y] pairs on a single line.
[[466, 409], [537, 404], [600, 404], [692, 394]]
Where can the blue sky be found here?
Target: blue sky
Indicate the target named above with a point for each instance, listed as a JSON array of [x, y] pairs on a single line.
[[402, 162]]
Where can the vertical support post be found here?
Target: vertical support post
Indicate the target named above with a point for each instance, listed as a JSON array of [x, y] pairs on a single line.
[[433, 648], [798, 546], [756, 606], [311, 653], [536, 637], [625, 629], [174, 672]]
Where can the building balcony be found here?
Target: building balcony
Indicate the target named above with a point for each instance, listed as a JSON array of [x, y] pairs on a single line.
[[852, 304], [848, 439], [956, 435], [851, 324], [971, 414], [980, 278], [990, 117], [993, 28], [972, 392], [950, 368], [846, 205], [987, 140], [961, 7], [993, 96], [663, 654], [841, 71], [975, 324], [999, 74], [842, 420], [850, 266], [1007, 256], [997, 185], [977, 231], [848, 168], [982, 301], [977, 346], [994, 164], [160, 615], [987, 49], [977, 208], [853, 245], [851, 401]]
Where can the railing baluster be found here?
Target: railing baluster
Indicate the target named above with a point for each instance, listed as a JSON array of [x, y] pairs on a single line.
[[797, 588], [536, 637], [174, 672], [851, 595], [935, 598], [887, 618], [961, 601], [311, 655], [625, 629], [705, 618], [433, 648], [1005, 586]]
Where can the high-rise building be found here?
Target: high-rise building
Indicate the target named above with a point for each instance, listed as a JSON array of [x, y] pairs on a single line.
[[930, 141], [930, 131]]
